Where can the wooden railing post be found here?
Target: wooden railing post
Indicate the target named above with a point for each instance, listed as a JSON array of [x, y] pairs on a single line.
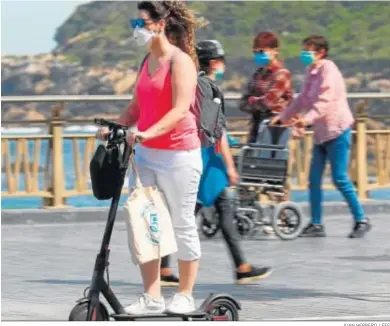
[[58, 163], [56, 151], [361, 151]]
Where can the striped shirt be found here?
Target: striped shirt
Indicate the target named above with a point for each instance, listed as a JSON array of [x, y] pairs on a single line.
[[323, 102], [273, 87]]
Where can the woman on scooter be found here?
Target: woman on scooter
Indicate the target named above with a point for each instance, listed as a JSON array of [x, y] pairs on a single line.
[[169, 154], [218, 173]]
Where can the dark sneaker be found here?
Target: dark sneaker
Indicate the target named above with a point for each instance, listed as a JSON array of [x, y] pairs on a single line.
[[170, 280], [256, 273], [360, 229], [313, 231]]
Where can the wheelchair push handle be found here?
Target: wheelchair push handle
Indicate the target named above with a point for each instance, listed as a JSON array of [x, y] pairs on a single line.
[[266, 123]]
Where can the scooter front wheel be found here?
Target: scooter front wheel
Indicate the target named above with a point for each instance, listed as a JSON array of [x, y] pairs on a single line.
[[222, 309], [80, 312]]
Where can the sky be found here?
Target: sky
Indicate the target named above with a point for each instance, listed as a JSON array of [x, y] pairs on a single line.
[[28, 27]]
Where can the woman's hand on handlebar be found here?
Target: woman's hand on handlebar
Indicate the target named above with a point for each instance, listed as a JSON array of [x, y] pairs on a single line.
[[137, 137], [102, 133]]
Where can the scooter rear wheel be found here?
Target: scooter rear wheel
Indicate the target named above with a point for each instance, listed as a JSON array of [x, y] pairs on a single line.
[[80, 312]]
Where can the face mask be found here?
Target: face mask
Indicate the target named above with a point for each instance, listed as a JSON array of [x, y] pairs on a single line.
[[142, 36], [307, 57], [219, 74], [261, 58]]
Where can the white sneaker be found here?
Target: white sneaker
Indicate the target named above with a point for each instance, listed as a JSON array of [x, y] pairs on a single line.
[[146, 305], [181, 304]]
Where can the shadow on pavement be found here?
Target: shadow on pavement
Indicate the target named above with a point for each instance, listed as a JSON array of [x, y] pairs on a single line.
[[253, 292]]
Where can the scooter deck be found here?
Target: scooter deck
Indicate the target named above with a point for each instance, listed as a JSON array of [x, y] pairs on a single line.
[[127, 317]]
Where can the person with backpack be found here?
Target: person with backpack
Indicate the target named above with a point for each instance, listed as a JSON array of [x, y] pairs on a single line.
[[219, 171], [168, 152]]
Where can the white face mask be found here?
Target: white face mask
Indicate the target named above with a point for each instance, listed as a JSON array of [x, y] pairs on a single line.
[[142, 36]]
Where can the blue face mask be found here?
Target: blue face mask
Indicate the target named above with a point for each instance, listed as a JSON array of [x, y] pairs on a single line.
[[307, 57], [219, 74], [261, 58]]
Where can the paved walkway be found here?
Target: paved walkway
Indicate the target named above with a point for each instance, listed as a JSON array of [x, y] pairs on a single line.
[[45, 268]]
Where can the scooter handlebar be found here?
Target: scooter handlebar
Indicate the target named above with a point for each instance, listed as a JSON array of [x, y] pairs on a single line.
[[118, 132], [109, 124]]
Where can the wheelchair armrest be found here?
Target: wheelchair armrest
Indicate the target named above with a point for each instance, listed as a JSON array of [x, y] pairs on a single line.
[[237, 146], [264, 146]]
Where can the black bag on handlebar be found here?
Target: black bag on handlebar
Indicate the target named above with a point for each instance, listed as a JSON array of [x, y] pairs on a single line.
[[106, 170]]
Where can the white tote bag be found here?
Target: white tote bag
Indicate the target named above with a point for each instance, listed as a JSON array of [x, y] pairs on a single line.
[[149, 225]]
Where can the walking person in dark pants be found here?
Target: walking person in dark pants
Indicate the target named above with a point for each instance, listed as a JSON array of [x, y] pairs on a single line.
[[218, 174]]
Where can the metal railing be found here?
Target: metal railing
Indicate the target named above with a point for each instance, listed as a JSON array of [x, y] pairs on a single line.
[[62, 99]]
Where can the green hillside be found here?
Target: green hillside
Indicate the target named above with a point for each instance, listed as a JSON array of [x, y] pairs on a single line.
[[98, 32]]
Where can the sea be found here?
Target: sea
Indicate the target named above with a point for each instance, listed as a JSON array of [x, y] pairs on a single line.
[[90, 201]]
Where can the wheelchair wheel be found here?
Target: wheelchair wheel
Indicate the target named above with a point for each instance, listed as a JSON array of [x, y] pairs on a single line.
[[287, 220], [244, 225], [208, 222]]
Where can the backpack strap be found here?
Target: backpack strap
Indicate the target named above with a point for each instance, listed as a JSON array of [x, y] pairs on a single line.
[[216, 91]]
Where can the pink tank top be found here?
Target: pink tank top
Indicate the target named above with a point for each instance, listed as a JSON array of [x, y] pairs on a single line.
[[154, 96]]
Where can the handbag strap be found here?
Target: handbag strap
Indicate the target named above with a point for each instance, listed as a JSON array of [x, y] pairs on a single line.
[[138, 183]]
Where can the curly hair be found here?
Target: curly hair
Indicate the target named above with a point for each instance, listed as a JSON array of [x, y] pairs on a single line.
[[181, 23]]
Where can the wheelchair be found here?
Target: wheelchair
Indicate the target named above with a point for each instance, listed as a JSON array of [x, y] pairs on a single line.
[[262, 167]]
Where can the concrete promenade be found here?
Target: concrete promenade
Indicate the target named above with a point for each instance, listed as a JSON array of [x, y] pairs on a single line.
[[47, 262]]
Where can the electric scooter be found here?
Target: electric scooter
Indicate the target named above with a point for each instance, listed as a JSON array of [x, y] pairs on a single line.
[[221, 307]]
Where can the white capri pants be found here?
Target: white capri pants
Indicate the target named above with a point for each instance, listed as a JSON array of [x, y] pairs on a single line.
[[177, 175]]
